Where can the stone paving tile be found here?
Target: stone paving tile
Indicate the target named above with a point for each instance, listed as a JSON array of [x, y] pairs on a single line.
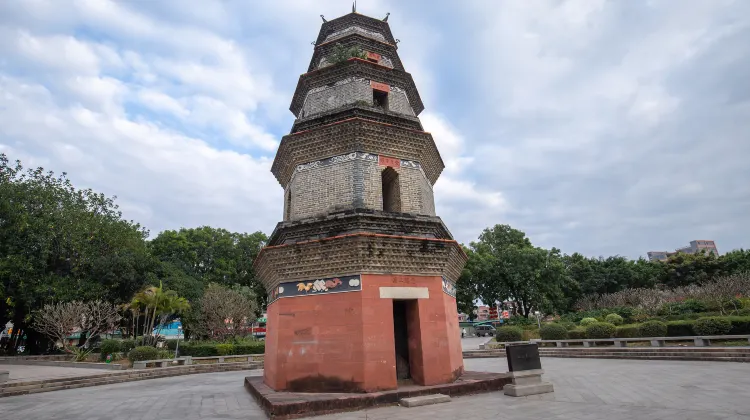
[[585, 389], [30, 372]]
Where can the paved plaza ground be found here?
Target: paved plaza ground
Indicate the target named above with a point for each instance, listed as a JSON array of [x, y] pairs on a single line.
[[19, 373], [584, 389]]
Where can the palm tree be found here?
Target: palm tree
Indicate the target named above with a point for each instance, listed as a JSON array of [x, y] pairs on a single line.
[[157, 302]]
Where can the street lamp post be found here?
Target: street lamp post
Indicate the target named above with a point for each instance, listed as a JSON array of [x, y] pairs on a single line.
[[538, 322], [177, 348]]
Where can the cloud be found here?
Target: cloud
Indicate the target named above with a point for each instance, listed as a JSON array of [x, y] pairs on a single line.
[[599, 127]]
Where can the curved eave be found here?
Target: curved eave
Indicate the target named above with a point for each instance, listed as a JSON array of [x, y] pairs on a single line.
[[356, 67], [354, 18], [370, 44]]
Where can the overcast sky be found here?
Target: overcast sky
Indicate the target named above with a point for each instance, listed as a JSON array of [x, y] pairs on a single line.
[[603, 127]]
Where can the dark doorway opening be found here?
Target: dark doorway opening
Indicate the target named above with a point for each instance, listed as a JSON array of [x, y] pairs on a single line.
[[380, 99], [288, 204], [391, 190], [401, 339]]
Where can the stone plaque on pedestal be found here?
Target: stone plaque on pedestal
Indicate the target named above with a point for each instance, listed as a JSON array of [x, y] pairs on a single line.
[[523, 357], [526, 370]]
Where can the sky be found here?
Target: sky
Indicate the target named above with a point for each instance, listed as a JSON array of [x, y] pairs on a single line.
[[599, 127]]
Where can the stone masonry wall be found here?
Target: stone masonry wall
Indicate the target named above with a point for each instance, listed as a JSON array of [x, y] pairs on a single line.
[[349, 91], [354, 181]]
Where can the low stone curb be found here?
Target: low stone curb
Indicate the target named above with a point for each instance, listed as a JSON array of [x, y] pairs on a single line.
[[715, 354], [35, 386], [67, 363]]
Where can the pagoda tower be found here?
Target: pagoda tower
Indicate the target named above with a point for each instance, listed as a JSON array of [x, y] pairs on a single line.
[[360, 273]]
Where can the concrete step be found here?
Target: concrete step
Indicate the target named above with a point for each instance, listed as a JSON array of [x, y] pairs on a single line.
[[424, 400], [32, 387]]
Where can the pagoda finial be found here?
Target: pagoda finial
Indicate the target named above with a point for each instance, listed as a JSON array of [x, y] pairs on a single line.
[[354, 6], [385, 19], [324, 19]]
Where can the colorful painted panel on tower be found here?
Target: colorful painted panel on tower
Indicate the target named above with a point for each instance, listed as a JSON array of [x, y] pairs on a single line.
[[316, 287]]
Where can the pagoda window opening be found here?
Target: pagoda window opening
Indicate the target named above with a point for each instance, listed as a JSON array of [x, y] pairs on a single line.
[[380, 99], [288, 204], [391, 191]]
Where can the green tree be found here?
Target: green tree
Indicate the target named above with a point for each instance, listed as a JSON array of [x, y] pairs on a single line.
[[60, 243]]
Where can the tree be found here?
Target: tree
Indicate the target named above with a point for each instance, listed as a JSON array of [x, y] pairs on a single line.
[[193, 258], [504, 265], [157, 304], [224, 311], [59, 243], [340, 53], [59, 321]]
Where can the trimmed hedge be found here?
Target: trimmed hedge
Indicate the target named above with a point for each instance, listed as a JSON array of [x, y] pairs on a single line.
[[221, 349], [143, 353], [627, 331], [577, 334], [653, 329], [587, 321], [553, 332], [680, 328], [505, 334], [600, 330], [712, 326], [613, 319]]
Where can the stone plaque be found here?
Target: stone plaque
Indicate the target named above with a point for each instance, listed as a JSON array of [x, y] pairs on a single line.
[[523, 357]]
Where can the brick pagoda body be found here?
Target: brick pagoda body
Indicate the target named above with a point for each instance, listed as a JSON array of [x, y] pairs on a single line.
[[361, 272]]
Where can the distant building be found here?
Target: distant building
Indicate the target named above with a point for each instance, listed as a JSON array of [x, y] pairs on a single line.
[[695, 247]]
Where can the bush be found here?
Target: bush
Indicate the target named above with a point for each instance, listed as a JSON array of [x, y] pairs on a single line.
[[613, 319], [712, 326], [171, 344], [680, 328], [587, 321], [553, 332], [600, 330], [109, 347], [225, 349], [165, 354], [627, 331], [577, 334], [127, 345], [199, 350], [568, 325], [653, 329], [520, 321], [253, 347], [505, 334], [143, 353], [740, 324]]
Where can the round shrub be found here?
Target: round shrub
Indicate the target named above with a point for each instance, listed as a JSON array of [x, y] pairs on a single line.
[[109, 347], [256, 347], [143, 353], [653, 329], [577, 334], [627, 331], [506, 334], [712, 326], [600, 330], [553, 332], [613, 319], [127, 345], [587, 321]]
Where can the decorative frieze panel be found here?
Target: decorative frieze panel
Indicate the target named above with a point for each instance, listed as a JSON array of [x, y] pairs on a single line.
[[449, 288], [355, 29], [340, 284], [389, 161]]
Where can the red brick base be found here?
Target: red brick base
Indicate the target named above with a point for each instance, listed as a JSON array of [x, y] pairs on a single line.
[[344, 342]]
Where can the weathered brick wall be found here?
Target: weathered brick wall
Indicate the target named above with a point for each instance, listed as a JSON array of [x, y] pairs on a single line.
[[349, 91], [321, 190], [398, 102], [355, 29], [321, 187]]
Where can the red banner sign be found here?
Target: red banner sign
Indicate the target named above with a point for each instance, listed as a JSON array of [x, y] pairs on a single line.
[[389, 161], [380, 86]]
